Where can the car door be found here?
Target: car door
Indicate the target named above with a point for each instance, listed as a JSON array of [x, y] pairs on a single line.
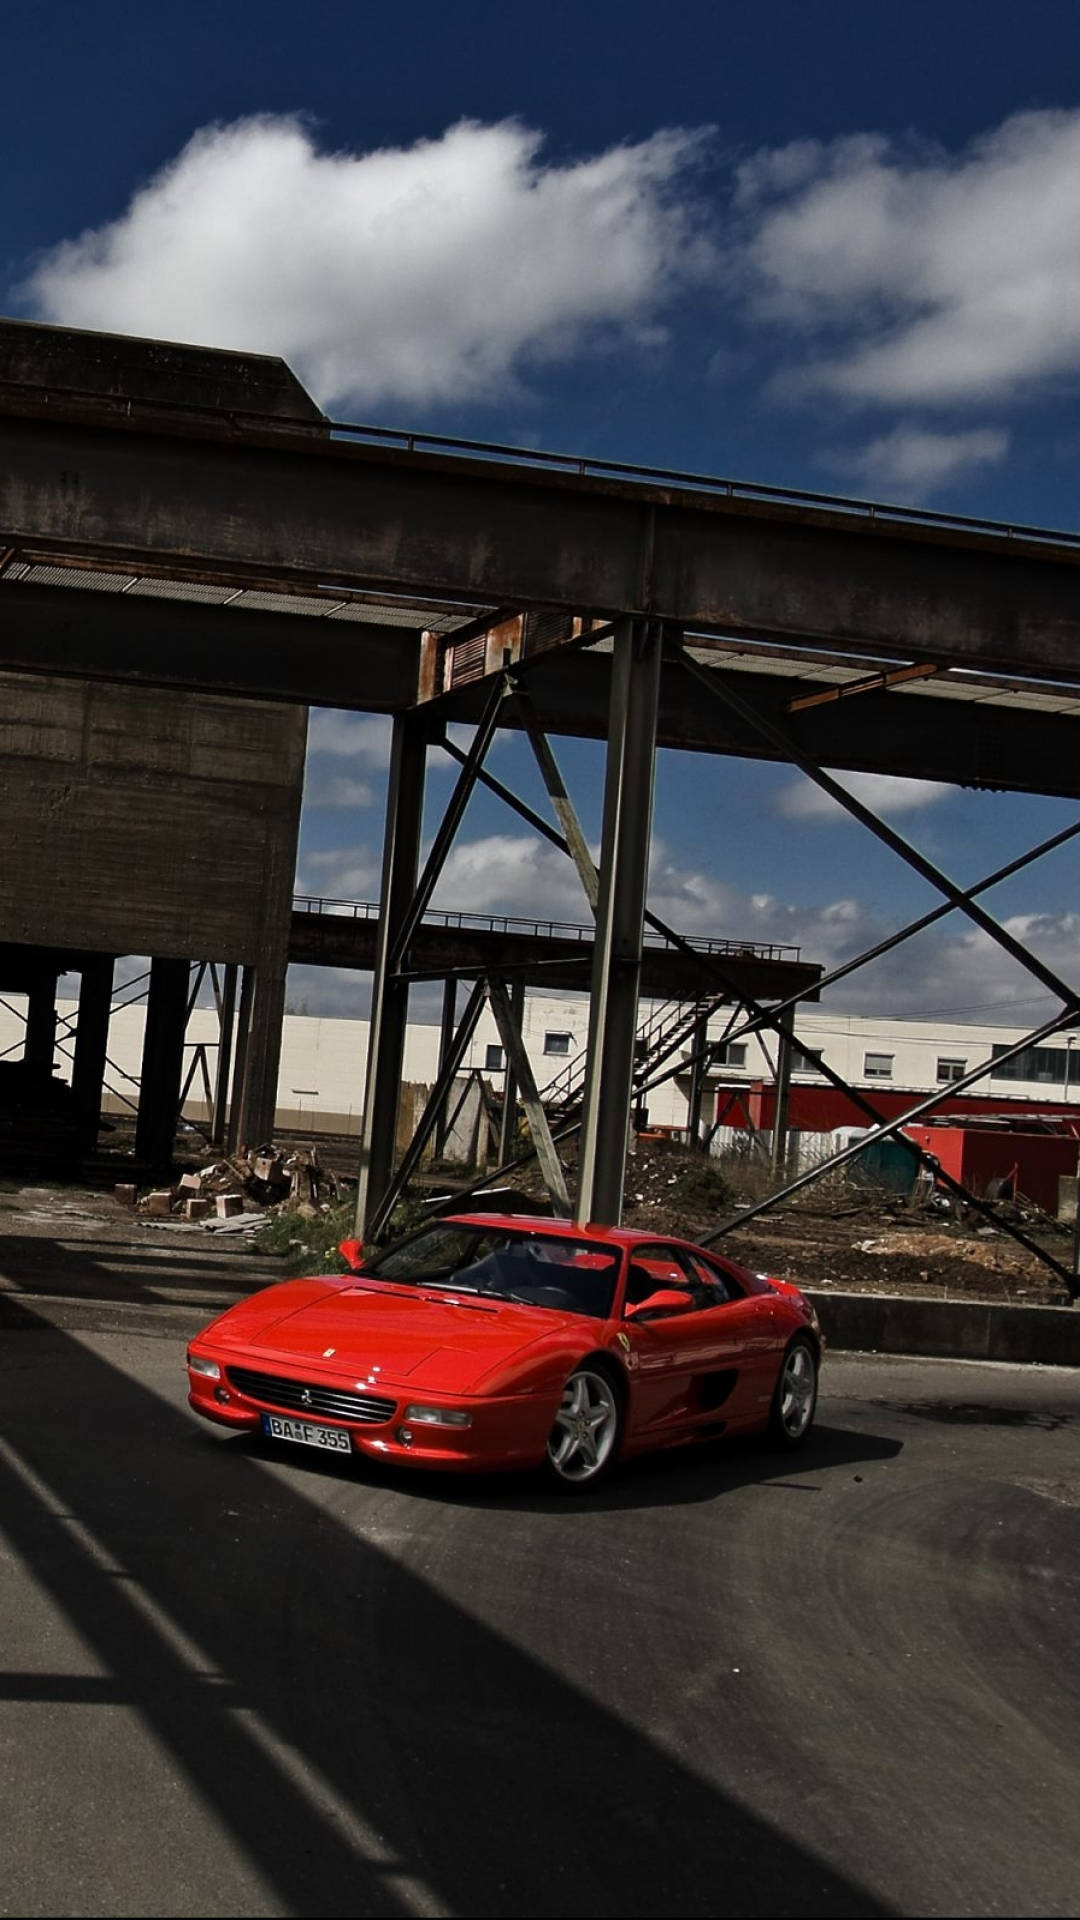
[[699, 1365], [753, 1341]]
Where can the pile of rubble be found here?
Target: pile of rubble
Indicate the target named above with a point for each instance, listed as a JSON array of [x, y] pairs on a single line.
[[255, 1181]]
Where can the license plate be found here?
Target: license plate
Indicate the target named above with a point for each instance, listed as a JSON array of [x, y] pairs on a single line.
[[332, 1438]]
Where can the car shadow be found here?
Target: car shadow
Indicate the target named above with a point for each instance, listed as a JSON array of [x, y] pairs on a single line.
[[320, 1694], [674, 1476]]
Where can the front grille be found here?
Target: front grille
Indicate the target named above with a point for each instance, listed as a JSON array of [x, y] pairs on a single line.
[[305, 1397]]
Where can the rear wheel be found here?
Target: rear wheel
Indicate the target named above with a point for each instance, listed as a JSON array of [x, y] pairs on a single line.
[[588, 1426], [795, 1399]]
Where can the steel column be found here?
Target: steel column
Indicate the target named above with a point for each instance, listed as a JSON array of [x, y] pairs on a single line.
[[576, 843], [516, 1056], [624, 871], [243, 1037], [423, 889], [779, 1148], [508, 1127], [226, 1023], [390, 996], [446, 1036], [379, 1211], [698, 1063]]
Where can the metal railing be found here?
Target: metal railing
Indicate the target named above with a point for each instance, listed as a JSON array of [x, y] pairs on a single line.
[[536, 929], [581, 465]]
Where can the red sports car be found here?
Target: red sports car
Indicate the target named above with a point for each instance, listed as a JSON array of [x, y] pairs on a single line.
[[499, 1340]]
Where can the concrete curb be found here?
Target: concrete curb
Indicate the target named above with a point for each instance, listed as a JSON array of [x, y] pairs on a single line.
[[37, 1312], [949, 1329]]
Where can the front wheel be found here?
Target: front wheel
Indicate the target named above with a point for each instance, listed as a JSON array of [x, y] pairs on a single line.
[[795, 1399], [588, 1426]]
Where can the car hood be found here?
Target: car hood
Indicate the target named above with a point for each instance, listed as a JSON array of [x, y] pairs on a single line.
[[385, 1338]]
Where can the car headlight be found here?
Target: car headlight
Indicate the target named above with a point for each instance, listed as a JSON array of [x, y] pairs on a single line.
[[438, 1416], [208, 1367]]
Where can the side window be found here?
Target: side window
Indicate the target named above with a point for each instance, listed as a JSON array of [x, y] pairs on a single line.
[[666, 1270], [721, 1285]]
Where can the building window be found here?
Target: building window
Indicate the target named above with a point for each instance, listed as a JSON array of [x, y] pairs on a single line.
[[729, 1053], [557, 1042], [949, 1070], [493, 1060], [878, 1066], [1045, 1064], [804, 1062]]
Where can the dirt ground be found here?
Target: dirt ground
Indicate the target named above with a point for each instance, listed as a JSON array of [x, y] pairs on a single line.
[[833, 1234], [839, 1235]]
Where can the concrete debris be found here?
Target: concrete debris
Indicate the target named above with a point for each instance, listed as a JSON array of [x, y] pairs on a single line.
[[244, 1187]]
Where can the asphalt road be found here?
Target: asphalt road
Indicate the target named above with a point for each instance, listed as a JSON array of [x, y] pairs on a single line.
[[733, 1683]]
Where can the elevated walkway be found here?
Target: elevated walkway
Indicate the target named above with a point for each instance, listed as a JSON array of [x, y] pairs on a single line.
[[544, 953]]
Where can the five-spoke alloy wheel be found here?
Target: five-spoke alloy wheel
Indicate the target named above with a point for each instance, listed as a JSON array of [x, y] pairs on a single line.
[[585, 1437], [795, 1399]]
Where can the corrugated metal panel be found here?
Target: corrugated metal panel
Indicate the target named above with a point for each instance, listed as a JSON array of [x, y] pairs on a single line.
[[467, 660], [543, 630], [89, 579], [260, 602], [182, 590]]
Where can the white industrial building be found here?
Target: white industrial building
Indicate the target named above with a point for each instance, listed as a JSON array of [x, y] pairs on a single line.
[[323, 1060]]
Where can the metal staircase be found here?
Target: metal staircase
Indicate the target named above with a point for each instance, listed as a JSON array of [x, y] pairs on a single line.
[[658, 1036]]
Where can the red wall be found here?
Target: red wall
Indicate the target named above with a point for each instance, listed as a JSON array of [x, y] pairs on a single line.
[[822, 1109], [976, 1155]]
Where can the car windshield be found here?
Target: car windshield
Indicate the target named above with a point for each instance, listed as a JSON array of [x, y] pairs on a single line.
[[535, 1268]]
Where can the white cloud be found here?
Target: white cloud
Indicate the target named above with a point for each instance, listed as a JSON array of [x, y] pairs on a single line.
[[359, 736], [953, 970], [426, 273], [340, 873], [337, 790], [916, 460], [888, 794], [943, 278], [514, 874]]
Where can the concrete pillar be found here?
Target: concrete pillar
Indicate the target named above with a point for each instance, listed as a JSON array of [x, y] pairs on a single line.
[[162, 1062], [390, 994], [624, 870], [40, 1047], [256, 1097], [91, 1043]]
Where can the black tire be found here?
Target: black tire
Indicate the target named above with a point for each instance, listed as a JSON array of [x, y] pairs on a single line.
[[587, 1434], [794, 1401]]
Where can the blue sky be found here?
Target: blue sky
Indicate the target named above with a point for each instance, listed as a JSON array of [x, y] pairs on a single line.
[[832, 247]]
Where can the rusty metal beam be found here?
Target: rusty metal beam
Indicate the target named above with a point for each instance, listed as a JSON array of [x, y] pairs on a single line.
[[372, 668], [874, 683], [978, 745], [157, 483], [206, 649]]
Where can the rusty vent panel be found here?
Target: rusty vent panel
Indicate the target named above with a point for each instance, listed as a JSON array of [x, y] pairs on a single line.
[[467, 660], [544, 630]]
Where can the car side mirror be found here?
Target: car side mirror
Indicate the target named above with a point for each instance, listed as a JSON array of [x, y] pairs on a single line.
[[666, 1301], [353, 1252]]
